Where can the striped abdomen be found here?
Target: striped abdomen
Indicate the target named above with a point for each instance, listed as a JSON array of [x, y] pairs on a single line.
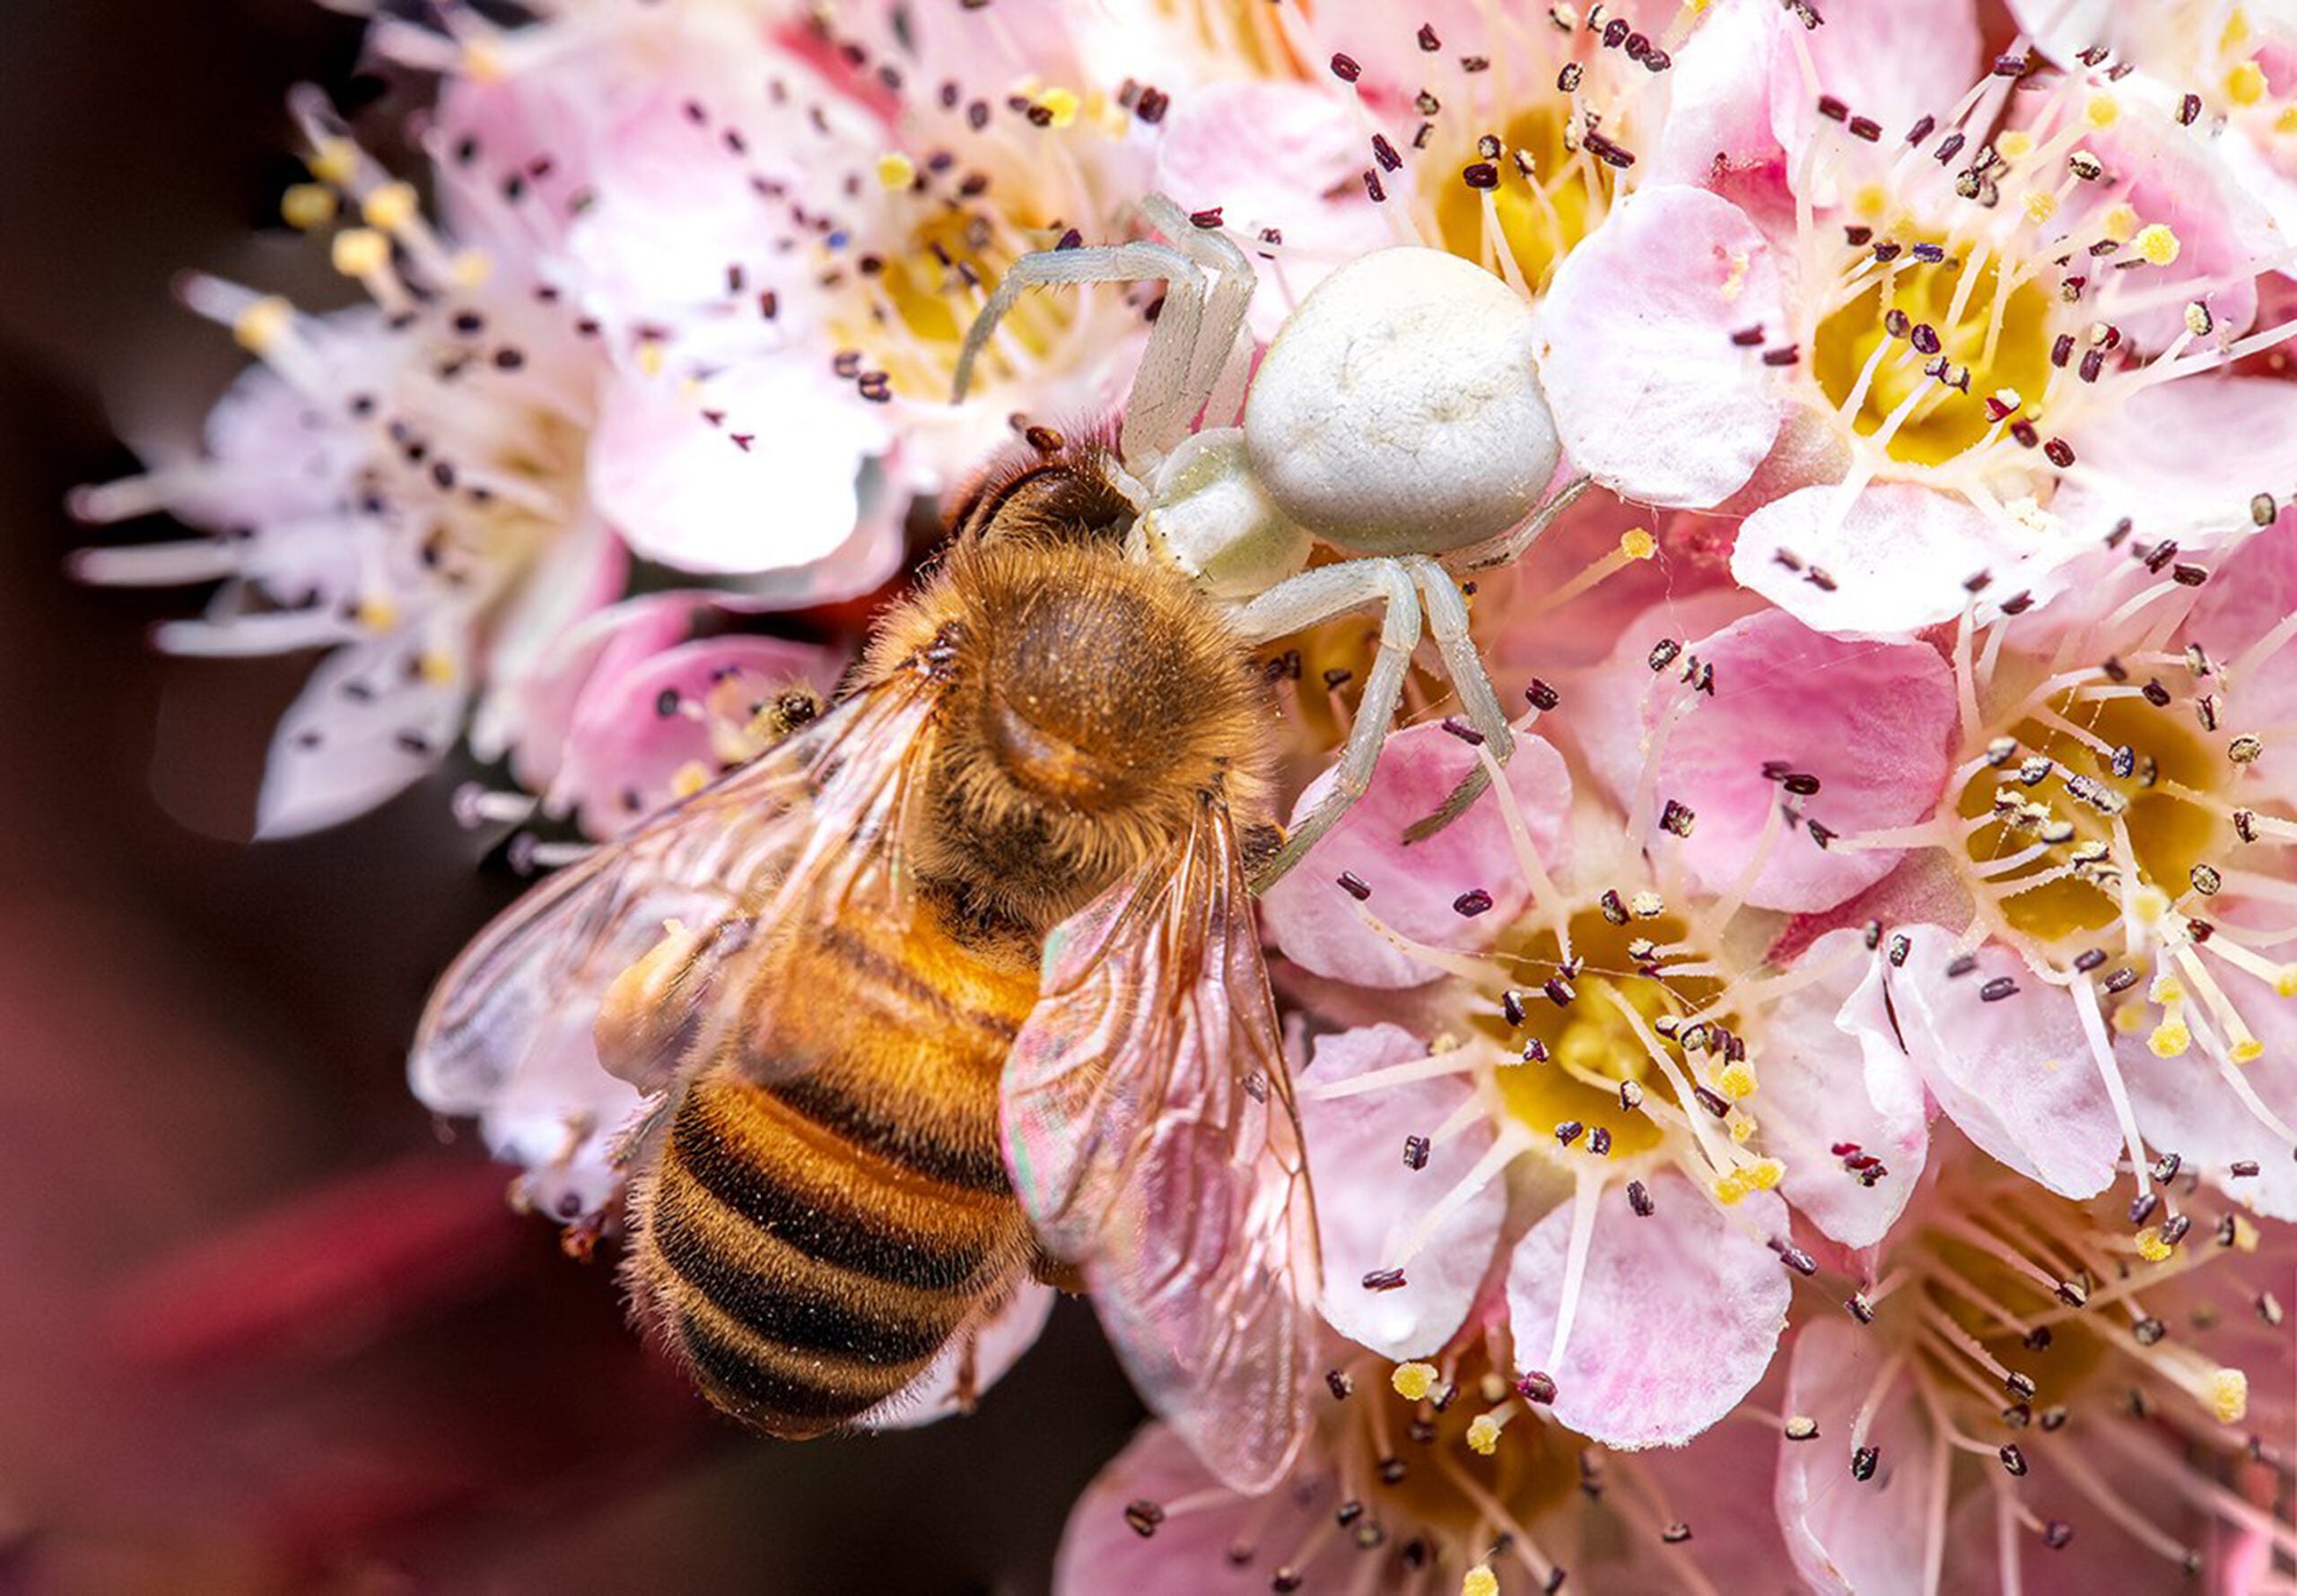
[[809, 1247]]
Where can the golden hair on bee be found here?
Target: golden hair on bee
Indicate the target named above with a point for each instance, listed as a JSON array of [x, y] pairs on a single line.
[[1093, 699]]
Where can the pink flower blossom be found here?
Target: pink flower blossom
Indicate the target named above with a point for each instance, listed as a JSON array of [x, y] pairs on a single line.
[[2025, 1397], [1438, 1476], [1609, 1059], [2009, 339], [424, 487]]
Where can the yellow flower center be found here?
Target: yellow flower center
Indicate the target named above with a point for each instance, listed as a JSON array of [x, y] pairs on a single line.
[[1541, 215], [1593, 1047], [2097, 763], [1995, 326]]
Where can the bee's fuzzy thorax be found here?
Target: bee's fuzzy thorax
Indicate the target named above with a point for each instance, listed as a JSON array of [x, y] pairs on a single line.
[[1093, 699]]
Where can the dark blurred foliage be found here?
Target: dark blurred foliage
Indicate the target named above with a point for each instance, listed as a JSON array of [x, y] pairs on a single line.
[[263, 1326]]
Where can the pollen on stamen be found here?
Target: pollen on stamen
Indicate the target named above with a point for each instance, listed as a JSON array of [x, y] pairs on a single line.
[[1413, 1381]]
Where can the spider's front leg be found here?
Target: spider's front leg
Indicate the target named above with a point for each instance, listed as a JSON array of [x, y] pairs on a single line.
[[1317, 595]]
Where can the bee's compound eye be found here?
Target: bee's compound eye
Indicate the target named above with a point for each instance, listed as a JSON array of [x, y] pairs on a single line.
[[1399, 410]]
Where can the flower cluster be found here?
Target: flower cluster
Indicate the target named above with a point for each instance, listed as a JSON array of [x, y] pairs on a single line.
[[1830, 1112]]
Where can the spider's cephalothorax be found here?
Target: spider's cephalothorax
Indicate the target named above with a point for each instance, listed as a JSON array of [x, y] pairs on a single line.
[[1397, 417]]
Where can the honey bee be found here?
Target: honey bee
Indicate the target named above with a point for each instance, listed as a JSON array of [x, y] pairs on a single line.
[[862, 1075], [961, 980]]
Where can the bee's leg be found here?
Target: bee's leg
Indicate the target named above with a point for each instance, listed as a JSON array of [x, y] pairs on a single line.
[[968, 1385], [1217, 369], [1448, 622], [1315, 595], [1161, 387]]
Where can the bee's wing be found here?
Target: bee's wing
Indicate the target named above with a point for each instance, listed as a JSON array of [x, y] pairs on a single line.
[[810, 825], [1150, 1132]]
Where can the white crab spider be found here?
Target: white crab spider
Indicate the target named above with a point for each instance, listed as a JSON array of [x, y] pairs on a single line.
[[1397, 416]]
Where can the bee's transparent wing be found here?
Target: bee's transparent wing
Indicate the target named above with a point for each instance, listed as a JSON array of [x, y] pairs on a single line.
[[1150, 1132], [810, 827]]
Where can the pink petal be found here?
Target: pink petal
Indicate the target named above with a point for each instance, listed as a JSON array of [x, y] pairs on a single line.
[[1872, 724], [1010, 1332], [2184, 1105], [2015, 1074], [364, 729], [1274, 155], [2063, 29], [693, 496], [1718, 112], [623, 755], [583, 572], [1677, 1317], [1809, 1102], [1650, 396], [1882, 58], [2172, 176], [558, 1117], [538, 708], [1845, 1535], [2252, 590], [1188, 1554], [2182, 459], [1893, 559], [1366, 1196], [1415, 885]]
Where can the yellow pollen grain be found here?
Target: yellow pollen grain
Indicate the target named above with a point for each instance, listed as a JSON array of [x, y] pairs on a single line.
[[1742, 1128], [1413, 1381], [1730, 1188], [2130, 1019], [307, 205], [2148, 904], [2103, 111], [2228, 1396], [436, 667], [482, 62], [2158, 245], [689, 779], [2284, 984], [1736, 1079], [263, 324], [378, 614], [1871, 199], [1637, 543], [360, 252], [2015, 145], [2118, 222], [472, 267], [2167, 990], [2245, 84], [1765, 1173], [2286, 122], [2248, 1051], [649, 358], [2041, 205], [333, 160], [391, 206], [1479, 1582], [1062, 104], [2170, 1039], [895, 171], [1483, 1434], [2151, 1247]]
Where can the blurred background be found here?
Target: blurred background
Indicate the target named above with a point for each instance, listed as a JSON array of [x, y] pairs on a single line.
[[263, 1326]]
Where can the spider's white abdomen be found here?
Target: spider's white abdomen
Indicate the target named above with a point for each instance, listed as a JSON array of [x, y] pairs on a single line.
[[1399, 410]]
